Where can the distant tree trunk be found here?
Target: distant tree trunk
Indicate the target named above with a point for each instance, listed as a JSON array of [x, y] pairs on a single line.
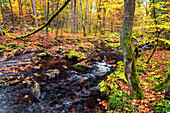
[[20, 15], [52, 23], [2, 12], [104, 20], [75, 22], [97, 18], [72, 17], [57, 23], [90, 19], [129, 55], [112, 25], [35, 13], [12, 18], [47, 17], [157, 32], [82, 19], [85, 20]]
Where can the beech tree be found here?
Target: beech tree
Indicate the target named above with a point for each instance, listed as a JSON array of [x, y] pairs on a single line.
[[128, 53]]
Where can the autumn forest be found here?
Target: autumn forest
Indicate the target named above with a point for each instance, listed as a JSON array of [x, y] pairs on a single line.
[[84, 56]]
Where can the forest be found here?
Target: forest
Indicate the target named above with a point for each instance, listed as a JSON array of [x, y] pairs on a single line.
[[84, 56]]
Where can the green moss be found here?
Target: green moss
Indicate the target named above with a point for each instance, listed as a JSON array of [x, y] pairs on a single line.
[[73, 54], [2, 47], [8, 49], [162, 85], [38, 44], [11, 45], [80, 66], [47, 53], [1, 52]]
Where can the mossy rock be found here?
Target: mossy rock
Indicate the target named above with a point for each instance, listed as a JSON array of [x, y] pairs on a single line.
[[11, 45], [38, 44], [73, 55], [1, 52], [17, 52], [45, 54], [8, 49], [2, 47], [80, 66]]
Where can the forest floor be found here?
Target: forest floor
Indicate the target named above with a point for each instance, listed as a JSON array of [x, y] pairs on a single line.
[[90, 48]]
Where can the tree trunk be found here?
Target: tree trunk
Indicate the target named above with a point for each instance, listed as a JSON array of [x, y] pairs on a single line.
[[57, 24], [72, 17], [47, 17], [35, 13], [97, 18], [52, 23], [104, 19], [2, 12], [129, 55], [12, 18], [85, 20], [75, 22], [82, 22]]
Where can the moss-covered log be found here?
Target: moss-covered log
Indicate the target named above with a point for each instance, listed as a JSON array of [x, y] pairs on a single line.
[[41, 27], [162, 85]]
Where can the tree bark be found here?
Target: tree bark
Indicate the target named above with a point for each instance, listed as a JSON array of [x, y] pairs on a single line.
[[2, 12], [129, 55], [72, 17], [85, 20], [75, 22], [104, 19], [57, 24], [35, 13], [47, 14]]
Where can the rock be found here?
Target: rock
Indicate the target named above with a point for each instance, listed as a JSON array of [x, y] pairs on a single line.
[[38, 44], [11, 45], [2, 47], [17, 52], [45, 54], [36, 67], [36, 90], [1, 52], [146, 47], [73, 55], [81, 67]]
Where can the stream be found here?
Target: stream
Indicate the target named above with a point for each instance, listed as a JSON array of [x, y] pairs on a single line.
[[62, 88]]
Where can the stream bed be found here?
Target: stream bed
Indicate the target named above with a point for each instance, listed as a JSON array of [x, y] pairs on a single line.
[[61, 87]]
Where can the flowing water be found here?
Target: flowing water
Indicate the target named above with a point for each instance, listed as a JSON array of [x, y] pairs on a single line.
[[62, 88]]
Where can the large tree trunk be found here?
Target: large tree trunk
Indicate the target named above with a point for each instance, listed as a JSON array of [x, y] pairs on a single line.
[[129, 56]]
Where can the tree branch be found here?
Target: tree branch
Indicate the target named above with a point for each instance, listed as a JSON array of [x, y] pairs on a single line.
[[41, 27]]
